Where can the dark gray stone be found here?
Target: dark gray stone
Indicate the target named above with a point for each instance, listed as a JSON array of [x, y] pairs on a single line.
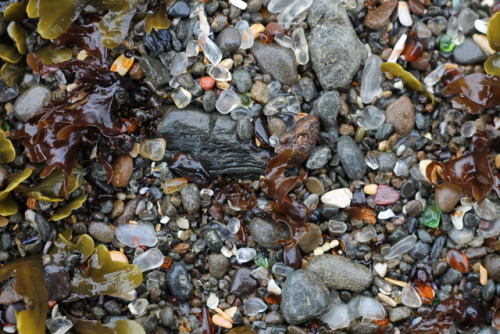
[[340, 273], [277, 61], [492, 264], [319, 157], [154, 70], [308, 89], [243, 81], [451, 276], [228, 40], [177, 278], [218, 265], [335, 49], [304, 297], [351, 157], [468, 53], [266, 232], [326, 107], [386, 161], [191, 199], [213, 139], [245, 129], [420, 250]]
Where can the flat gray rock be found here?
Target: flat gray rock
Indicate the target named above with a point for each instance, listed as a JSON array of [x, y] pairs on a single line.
[[340, 273], [277, 61], [212, 138]]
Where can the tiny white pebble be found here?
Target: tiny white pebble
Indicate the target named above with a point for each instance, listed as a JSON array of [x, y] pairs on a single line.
[[326, 246], [404, 14], [318, 251], [212, 301], [238, 3]]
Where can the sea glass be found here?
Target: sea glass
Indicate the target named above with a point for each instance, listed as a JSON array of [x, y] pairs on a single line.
[[135, 235]]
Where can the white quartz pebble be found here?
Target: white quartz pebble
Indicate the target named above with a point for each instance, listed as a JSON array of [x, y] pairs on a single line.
[[339, 198]]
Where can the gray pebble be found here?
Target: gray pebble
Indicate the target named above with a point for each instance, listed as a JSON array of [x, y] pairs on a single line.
[[243, 81], [319, 157], [191, 199]]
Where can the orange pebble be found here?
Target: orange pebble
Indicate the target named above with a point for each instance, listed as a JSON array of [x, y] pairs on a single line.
[[458, 261], [207, 82], [425, 292]]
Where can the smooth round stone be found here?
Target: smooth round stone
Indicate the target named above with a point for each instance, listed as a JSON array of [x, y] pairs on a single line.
[[245, 129], [340, 273], [492, 264], [218, 265], [243, 283], [228, 40], [409, 189], [304, 297], [101, 232], [468, 53], [179, 9], [351, 157], [212, 240], [461, 237], [370, 308], [337, 316], [401, 115], [29, 103], [178, 281], [451, 276], [267, 233], [254, 306], [386, 161], [191, 199], [150, 259], [314, 186], [419, 251], [471, 220], [414, 208], [135, 235], [311, 239], [326, 107], [339, 198], [319, 157], [447, 196]]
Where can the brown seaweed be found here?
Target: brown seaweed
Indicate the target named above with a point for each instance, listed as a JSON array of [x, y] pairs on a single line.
[[301, 139], [476, 92]]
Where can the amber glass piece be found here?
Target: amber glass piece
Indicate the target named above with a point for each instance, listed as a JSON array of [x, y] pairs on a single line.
[[450, 75], [426, 293], [103, 276], [272, 298], [29, 278], [51, 54], [458, 260], [266, 38], [475, 92], [7, 151], [173, 185], [493, 32], [114, 327], [364, 214], [157, 20], [413, 47], [63, 248], [492, 65], [167, 262], [397, 70], [65, 210]]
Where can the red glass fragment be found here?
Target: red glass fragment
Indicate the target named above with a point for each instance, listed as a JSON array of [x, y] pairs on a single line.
[[413, 47]]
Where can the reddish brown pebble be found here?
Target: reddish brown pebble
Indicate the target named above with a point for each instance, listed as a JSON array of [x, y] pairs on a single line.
[[386, 195], [122, 170], [274, 28], [447, 196], [416, 7], [413, 47], [458, 261], [181, 248], [380, 16], [401, 115], [207, 82]]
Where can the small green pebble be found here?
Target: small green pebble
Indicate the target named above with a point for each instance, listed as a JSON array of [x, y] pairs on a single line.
[[246, 99], [431, 216], [261, 261], [446, 43]]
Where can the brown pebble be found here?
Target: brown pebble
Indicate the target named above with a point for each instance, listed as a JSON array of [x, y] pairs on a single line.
[[447, 196], [275, 28], [301, 139], [122, 170], [136, 72], [401, 115], [118, 207], [311, 239], [314, 186], [346, 129], [260, 92], [380, 16], [276, 126]]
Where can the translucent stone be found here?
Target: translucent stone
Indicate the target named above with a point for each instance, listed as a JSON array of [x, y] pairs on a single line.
[[153, 149], [371, 309], [179, 64], [227, 101], [410, 298], [371, 161], [350, 246], [371, 80], [300, 46], [210, 49], [59, 325], [292, 105], [274, 88], [293, 10], [466, 19], [486, 210], [371, 118], [401, 168], [204, 25], [437, 24], [401, 247], [212, 300], [245, 254], [404, 14], [260, 273], [366, 234], [150, 259], [233, 225], [192, 48], [247, 39], [241, 113], [457, 4], [206, 193], [284, 41], [311, 201], [138, 306], [181, 97], [468, 129], [481, 26], [220, 73], [238, 3], [135, 235], [274, 140], [353, 308], [336, 227], [398, 49], [433, 78], [254, 306], [452, 28], [492, 229], [279, 268], [337, 317], [277, 6], [423, 32]]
